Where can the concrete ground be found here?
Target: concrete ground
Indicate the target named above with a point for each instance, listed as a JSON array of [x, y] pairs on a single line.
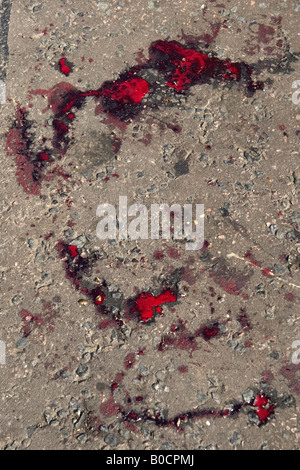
[[219, 367]]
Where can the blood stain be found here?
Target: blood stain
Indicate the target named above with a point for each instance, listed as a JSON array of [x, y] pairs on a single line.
[[147, 304], [65, 67]]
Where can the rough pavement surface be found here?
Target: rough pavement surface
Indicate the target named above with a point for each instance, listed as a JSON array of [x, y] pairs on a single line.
[[217, 366]]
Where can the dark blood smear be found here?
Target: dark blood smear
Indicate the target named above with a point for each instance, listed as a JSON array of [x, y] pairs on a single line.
[[110, 407], [30, 166], [183, 339], [76, 268], [30, 321], [254, 262], [244, 320], [265, 409], [228, 278], [147, 304]]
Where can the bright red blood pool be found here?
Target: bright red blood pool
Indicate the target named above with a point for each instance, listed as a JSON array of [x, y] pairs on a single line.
[[146, 303], [73, 251], [265, 408], [43, 156], [63, 67], [184, 67], [129, 91], [261, 401]]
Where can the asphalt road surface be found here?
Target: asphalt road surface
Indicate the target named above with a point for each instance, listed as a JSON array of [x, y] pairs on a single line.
[[132, 340]]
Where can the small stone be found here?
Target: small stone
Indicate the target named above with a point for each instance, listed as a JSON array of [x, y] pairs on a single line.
[[31, 430], [16, 299], [253, 418], [286, 401], [81, 438], [22, 342], [166, 446], [74, 405], [280, 269], [209, 447], [47, 416], [279, 234], [63, 413], [248, 395], [81, 370], [236, 438], [79, 242], [26, 442], [274, 355], [111, 440], [100, 386], [143, 370], [31, 243], [202, 397]]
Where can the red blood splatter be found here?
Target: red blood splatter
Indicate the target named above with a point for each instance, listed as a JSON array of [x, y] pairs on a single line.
[[268, 376], [184, 67], [43, 156], [121, 99], [139, 399], [65, 67], [129, 91], [187, 340], [243, 320], [265, 408], [254, 262], [289, 297], [173, 253], [291, 372], [110, 408], [73, 251], [158, 255], [145, 303]]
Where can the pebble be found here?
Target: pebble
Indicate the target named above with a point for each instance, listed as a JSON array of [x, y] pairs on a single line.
[[81, 370], [202, 397], [111, 440]]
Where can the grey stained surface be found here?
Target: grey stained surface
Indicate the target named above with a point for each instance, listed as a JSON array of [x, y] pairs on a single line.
[[236, 154]]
